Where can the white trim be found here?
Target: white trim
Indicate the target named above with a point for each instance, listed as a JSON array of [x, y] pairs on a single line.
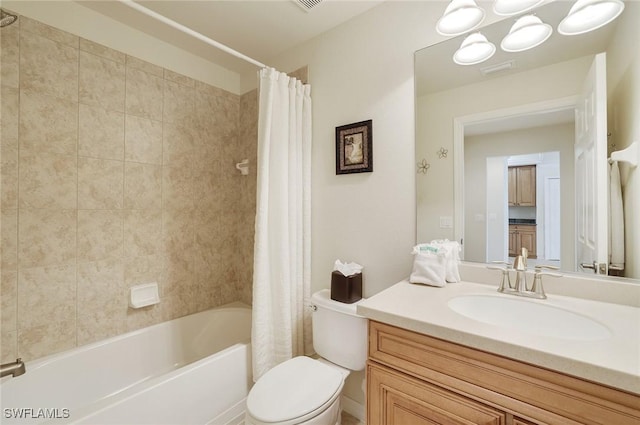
[[354, 408], [459, 124]]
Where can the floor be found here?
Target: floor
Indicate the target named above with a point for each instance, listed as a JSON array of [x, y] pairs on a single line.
[[347, 419]]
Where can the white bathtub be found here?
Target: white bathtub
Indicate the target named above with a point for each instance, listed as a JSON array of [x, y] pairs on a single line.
[[192, 370]]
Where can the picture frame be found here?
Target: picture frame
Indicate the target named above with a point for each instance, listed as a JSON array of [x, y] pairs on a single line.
[[354, 148]]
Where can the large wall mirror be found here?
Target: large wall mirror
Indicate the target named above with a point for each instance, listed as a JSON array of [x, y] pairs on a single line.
[[507, 154]]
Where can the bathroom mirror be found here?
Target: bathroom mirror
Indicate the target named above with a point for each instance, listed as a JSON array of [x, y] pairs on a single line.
[[477, 126]]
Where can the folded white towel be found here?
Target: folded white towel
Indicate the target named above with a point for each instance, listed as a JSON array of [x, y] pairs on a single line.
[[452, 249], [428, 265]]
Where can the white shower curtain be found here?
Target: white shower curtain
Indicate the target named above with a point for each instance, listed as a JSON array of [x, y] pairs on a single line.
[[281, 268]]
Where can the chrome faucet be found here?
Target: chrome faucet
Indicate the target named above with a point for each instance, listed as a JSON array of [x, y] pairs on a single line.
[[14, 369]]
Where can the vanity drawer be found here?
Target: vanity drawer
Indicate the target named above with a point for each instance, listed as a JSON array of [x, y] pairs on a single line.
[[530, 392], [401, 399]]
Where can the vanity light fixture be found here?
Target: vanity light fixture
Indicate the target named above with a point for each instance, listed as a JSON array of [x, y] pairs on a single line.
[[588, 15], [514, 7], [459, 17], [474, 49], [528, 32]]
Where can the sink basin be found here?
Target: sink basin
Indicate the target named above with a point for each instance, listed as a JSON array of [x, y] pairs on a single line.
[[530, 317]]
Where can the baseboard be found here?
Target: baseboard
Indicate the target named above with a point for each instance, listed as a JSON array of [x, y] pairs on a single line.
[[354, 408]]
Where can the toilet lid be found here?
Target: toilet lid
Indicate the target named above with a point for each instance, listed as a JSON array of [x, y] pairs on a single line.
[[293, 389]]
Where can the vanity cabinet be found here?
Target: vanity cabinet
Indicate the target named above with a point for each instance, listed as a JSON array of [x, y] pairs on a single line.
[[416, 379], [522, 236], [522, 186]]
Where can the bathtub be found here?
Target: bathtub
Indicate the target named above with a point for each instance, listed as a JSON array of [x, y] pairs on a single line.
[[191, 370]]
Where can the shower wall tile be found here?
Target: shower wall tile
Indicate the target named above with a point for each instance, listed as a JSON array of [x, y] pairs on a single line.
[[47, 339], [101, 82], [8, 346], [102, 51], [100, 183], [143, 140], [9, 148], [48, 67], [48, 181], [9, 115], [179, 102], [10, 56], [48, 124], [47, 31], [100, 234], [9, 299], [145, 269], [144, 94], [46, 295], [178, 144], [115, 172], [149, 68], [100, 133], [179, 78], [102, 302], [9, 239], [142, 186], [46, 237], [142, 232], [178, 232], [100, 323], [178, 188]]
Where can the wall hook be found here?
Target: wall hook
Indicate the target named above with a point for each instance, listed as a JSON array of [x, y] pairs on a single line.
[[243, 166]]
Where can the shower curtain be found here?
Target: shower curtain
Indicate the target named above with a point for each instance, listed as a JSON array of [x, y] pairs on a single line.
[[281, 267]]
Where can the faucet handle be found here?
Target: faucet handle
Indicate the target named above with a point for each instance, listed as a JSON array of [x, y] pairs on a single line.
[[506, 279], [537, 287]]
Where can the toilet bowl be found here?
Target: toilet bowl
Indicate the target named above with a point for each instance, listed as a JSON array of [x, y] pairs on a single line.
[[308, 391]]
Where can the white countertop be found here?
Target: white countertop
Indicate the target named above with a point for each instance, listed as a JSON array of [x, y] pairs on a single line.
[[614, 361]]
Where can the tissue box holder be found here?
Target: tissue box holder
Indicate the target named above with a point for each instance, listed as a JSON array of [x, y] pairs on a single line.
[[346, 289]]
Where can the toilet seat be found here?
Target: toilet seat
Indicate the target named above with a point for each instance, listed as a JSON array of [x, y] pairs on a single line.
[[294, 391]]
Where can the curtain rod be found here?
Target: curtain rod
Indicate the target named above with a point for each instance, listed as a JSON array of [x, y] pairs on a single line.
[[190, 32]]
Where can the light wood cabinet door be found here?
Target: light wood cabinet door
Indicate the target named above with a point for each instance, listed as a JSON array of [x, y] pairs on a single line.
[[514, 244], [397, 399], [527, 239], [526, 186], [522, 236], [522, 186]]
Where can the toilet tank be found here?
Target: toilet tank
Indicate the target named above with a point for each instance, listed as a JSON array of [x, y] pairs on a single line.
[[339, 334]]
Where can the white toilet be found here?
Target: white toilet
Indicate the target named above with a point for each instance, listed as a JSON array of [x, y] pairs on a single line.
[[307, 391]]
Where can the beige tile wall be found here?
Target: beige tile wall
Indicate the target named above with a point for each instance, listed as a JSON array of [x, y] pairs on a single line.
[[115, 172]]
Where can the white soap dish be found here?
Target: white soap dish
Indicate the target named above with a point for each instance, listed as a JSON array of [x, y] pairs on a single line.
[[144, 295]]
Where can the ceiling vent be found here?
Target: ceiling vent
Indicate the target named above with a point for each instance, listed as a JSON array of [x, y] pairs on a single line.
[[307, 5], [501, 67]]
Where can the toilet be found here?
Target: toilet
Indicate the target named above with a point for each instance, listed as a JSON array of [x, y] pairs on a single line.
[[307, 391]]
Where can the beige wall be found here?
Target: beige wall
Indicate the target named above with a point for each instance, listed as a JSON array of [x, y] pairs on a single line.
[[115, 172]]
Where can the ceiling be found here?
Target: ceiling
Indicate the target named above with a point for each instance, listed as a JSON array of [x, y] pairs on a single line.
[[260, 29]]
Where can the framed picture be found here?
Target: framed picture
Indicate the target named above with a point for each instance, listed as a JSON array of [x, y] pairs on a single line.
[[354, 153]]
